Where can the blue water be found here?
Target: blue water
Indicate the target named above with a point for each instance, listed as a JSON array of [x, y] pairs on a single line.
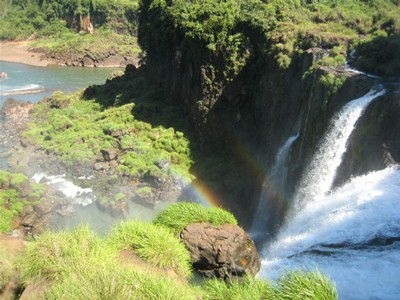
[[22, 78]]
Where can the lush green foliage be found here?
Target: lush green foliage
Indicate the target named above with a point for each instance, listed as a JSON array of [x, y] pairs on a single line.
[[155, 244], [227, 36], [177, 216], [77, 132], [380, 54], [11, 200], [62, 26], [47, 18], [6, 267]]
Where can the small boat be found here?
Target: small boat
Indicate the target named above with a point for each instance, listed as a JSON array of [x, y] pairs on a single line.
[[3, 75]]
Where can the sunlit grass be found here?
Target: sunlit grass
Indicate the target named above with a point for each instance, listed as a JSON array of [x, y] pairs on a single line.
[[154, 244], [177, 216]]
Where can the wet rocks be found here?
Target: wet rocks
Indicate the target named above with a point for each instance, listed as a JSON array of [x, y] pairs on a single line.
[[224, 251]]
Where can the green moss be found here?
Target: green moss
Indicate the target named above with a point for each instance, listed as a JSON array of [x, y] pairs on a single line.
[[119, 196], [332, 84]]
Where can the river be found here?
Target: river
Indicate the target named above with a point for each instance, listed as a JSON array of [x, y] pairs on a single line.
[[31, 83]]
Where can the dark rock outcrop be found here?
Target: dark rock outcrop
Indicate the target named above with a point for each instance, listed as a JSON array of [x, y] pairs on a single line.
[[224, 251]]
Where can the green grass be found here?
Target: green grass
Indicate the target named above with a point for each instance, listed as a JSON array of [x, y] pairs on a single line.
[[78, 264], [248, 288], [7, 268], [154, 244], [53, 255], [301, 285], [111, 281], [177, 216], [81, 265]]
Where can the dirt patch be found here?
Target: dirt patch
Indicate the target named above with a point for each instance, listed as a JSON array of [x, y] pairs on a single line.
[[19, 52]]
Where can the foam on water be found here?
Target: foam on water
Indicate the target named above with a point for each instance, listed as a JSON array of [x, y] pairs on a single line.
[[319, 176], [340, 236], [81, 196]]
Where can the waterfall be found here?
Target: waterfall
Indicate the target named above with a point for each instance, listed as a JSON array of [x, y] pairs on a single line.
[[277, 180], [320, 175], [352, 233]]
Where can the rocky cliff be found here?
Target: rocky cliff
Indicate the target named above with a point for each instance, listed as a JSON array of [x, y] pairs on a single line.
[[242, 115]]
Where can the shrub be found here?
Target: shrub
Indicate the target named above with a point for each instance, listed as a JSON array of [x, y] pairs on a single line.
[[302, 285], [178, 216], [154, 244]]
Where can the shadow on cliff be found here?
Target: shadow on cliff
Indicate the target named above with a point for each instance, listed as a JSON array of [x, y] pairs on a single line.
[[225, 166]]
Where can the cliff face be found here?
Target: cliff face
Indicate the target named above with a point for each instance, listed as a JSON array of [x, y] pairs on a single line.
[[253, 116], [246, 116]]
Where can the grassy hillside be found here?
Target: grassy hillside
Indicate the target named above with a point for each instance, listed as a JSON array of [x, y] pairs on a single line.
[[138, 261]]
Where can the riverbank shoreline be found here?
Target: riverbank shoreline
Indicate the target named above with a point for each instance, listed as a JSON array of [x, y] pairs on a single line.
[[19, 52]]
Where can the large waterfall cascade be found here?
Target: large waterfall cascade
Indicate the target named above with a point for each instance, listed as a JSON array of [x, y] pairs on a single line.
[[351, 233]]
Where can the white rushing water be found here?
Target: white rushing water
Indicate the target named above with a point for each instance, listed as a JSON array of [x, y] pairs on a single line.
[[347, 236], [278, 178], [352, 233], [319, 176], [78, 195]]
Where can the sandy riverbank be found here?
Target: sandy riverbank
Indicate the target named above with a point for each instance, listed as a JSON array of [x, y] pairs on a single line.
[[19, 52]]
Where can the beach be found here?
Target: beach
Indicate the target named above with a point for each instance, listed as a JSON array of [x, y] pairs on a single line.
[[19, 52]]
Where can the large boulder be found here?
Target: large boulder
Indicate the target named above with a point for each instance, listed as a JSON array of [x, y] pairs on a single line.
[[224, 251]]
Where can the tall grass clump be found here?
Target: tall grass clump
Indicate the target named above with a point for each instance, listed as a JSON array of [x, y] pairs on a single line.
[[248, 288], [300, 285], [114, 282], [154, 244], [54, 254], [6, 268], [177, 216]]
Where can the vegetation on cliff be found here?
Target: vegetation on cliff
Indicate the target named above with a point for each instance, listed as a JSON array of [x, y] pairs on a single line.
[[77, 130], [16, 192], [217, 39]]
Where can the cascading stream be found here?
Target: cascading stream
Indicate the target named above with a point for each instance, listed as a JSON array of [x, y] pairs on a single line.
[[278, 179], [352, 233], [320, 175]]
